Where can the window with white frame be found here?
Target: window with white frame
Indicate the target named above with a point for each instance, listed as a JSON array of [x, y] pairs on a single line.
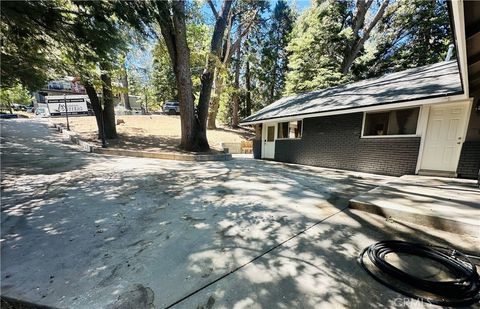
[[394, 122], [292, 129]]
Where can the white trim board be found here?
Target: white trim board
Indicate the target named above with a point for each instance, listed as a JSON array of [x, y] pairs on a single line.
[[461, 42]]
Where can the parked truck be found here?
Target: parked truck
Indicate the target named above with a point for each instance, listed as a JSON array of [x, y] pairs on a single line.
[[75, 104]]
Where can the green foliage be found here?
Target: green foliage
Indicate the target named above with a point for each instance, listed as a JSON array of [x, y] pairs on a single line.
[[29, 32], [163, 77], [226, 97], [273, 64], [43, 39], [198, 39], [16, 94], [316, 47], [412, 34]]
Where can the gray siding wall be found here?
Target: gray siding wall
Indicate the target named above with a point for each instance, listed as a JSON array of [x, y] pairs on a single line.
[[335, 142], [469, 162]]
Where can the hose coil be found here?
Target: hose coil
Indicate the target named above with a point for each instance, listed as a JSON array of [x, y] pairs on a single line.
[[461, 291]]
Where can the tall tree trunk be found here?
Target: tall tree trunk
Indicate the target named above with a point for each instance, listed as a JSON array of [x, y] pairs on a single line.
[[96, 106], [184, 79], [215, 102], [248, 99], [108, 106], [359, 42], [146, 100], [208, 73], [171, 17], [228, 49], [236, 95], [125, 97], [272, 82], [185, 97]]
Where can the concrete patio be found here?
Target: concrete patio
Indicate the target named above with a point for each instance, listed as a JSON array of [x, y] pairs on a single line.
[[447, 204]]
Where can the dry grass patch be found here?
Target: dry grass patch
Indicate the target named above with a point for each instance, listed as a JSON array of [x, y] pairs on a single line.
[[151, 132]]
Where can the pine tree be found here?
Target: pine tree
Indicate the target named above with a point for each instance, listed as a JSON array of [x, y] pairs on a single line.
[[274, 55], [328, 40], [315, 49], [412, 34]]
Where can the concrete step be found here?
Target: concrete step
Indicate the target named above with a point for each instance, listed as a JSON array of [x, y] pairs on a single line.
[[447, 204], [437, 173]]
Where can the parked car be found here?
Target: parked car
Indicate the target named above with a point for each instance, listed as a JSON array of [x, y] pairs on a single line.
[[19, 107], [7, 116], [42, 112], [171, 108]]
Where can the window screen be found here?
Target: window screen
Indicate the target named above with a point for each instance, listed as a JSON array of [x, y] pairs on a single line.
[[395, 122], [270, 134]]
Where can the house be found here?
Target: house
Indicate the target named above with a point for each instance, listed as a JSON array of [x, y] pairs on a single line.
[[419, 121], [68, 85]]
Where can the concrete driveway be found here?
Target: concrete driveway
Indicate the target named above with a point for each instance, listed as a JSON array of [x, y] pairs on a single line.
[[92, 231]]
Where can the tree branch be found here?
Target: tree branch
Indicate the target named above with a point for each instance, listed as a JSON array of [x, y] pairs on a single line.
[[214, 10], [375, 20], [350, 57], [242, 34], [228, 44], [166, 26]]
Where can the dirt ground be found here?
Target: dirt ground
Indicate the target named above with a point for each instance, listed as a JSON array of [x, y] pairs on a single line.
[[151, 132]]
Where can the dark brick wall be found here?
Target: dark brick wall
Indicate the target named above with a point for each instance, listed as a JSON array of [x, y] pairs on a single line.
[[257, 148], [335, 142], [469, 162]]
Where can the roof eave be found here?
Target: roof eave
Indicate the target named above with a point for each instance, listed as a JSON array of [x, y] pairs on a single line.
[[441, 98]]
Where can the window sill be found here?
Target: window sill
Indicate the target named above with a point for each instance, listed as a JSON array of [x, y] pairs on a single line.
[[390, 136], [288, 139]]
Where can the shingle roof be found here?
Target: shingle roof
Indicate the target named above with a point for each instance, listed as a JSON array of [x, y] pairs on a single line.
[[440, 79]]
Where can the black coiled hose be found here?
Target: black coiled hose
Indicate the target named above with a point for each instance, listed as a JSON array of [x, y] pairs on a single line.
[[462, 291]]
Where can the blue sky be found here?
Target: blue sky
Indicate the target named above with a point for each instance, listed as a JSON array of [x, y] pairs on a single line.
[[301, 5]]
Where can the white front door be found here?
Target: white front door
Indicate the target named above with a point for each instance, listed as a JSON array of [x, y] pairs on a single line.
[[444, 137], [269, 131]]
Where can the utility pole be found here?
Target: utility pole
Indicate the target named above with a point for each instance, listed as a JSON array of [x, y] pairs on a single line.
[[66, 110], [146, 100]]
